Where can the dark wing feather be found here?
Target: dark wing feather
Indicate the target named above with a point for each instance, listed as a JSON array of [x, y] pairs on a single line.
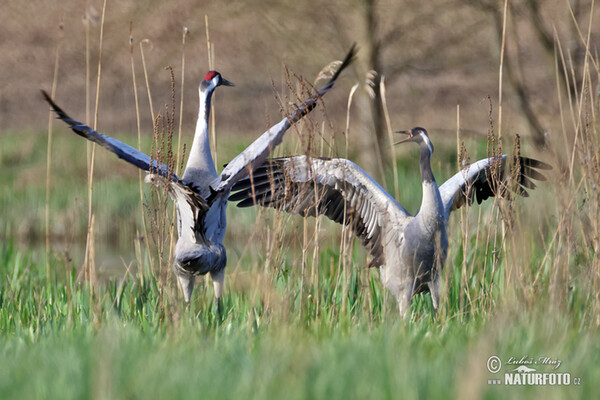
[[122, 150], [336, 188], [255, 154], [191, 208], [488, 178]]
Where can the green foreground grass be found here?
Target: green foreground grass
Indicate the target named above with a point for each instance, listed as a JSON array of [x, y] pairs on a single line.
[[133, 338]]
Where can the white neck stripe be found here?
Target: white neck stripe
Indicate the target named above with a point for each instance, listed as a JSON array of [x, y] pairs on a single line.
[[428, 143]]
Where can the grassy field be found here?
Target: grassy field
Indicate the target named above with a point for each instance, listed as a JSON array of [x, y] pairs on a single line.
[[132, 338], [303, 316]]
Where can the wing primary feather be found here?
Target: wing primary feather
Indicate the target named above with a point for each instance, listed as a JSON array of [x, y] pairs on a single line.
[[488, 178], [120, 149]]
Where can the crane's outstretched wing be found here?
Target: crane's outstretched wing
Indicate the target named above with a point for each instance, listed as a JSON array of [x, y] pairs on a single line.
[[336, 188], [255, 154], [490, 177], [122, 150]]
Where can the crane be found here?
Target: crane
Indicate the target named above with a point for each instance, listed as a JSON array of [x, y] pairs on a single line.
[[410, 250], [200, 195]]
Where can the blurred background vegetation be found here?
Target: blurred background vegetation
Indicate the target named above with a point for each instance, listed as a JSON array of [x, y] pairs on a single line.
[[434, 56]]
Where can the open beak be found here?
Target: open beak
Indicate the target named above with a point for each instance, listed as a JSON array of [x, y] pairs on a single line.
[[410, 136], [225, 82]]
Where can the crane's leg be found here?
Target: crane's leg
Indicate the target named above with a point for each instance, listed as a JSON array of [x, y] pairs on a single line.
[[401, 288], [187, 286], [404, 298], [218, 279], [434, 289], [441, 251]]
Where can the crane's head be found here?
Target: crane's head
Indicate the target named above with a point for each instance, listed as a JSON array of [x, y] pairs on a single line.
[[212, 79], [418, 135]]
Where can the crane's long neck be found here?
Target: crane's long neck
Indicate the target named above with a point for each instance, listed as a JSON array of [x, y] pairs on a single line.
[[431, 211], [425, 164], [200, 168]]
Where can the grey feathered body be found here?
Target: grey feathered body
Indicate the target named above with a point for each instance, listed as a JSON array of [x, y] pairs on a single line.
[[192, 259], [425, 243], [414, 263]]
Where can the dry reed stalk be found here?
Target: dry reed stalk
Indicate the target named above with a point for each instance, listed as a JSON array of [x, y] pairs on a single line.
[[347, 269], [388, 125], [461, 156], [558, 55], [305, 244], [494, 149], [87, 19], [160, 221], [501, 68], [348, 107], [370, 79], [342, 264], [155, 128], [89, 259], [510, 220], [91, 249], [171, 159], [49, 151], [211, 66], [180, 156], [139, 138], [500, 133], [150, 103], [315, 269]]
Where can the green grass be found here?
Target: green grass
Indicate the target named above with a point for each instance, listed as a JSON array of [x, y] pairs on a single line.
[[59, 341]]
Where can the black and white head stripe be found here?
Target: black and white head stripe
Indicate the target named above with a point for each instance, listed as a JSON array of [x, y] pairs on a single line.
[[418, 131]]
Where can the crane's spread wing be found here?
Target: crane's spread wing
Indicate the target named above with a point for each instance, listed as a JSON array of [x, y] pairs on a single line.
[[122, 150], [255, 154], [336, 188], [490, 177], [190, 205]]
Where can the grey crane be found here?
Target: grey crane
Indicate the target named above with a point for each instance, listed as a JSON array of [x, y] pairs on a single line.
[[410, 250], [200, 195]]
